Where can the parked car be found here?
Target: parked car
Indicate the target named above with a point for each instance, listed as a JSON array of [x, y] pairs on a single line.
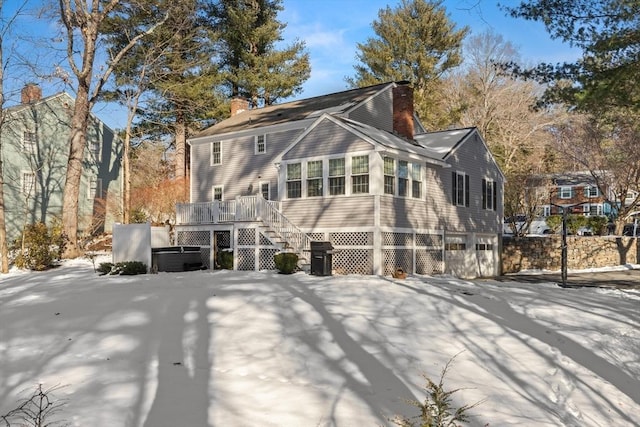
[[631, 230], [538, 226]]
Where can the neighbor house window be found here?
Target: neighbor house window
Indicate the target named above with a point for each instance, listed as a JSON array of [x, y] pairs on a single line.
[[28, 184], [360, 174], [314, 178], [29, 142], [217, 192], [403, 178], [460, 189], [216, 153], [591, 191], [265, 190], [416, 180], [566, 192], [294, 180], [489, 195], [336, 177], [389, 175], [94, 149], [261, 144], [95, 188]]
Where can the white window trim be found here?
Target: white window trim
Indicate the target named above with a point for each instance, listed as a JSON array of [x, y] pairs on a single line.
[[268, 183], [97, 153], [255, 147], [32, 190], [564, 188], [211, 162], [29, 146], [98, 193], [213, 192]]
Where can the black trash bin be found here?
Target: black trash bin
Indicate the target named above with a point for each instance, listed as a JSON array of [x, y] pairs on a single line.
[[321, 258]]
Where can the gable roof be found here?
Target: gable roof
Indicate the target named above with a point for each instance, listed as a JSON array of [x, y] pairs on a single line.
[[444, 142], [380, 140], [335, 103]]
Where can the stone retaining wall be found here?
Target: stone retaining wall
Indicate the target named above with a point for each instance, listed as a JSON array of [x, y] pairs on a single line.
[[545, 252]]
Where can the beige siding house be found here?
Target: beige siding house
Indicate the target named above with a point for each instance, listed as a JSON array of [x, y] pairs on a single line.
[[354, 168]]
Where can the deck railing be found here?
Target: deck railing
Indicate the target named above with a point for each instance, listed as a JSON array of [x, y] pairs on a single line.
[[246, 208]]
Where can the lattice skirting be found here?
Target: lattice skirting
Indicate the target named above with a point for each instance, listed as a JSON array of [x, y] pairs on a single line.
[[354, 251]]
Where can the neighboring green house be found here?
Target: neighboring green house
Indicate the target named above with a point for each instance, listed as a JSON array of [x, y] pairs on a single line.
[[35, 149]]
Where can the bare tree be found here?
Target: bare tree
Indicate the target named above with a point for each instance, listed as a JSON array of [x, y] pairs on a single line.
[[607, 146], [83, 22], [5, 26], [501, 107]]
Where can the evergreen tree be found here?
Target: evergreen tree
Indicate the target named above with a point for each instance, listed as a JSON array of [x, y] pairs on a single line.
[[172, 74], [608, 33], [253, 66], [416, 42]]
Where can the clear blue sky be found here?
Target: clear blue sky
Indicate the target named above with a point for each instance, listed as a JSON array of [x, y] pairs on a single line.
[[331, 29]]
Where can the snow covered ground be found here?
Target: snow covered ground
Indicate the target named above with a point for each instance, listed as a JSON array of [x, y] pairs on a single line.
[[225, 348]]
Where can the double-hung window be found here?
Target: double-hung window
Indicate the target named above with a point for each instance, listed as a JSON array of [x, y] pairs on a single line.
[[591, 191], [416, 180], [261, 144], [389, 175], [29, 142], [314, 178], [360, 174], [294, 180], [489, 195], [28, 184], [216, 153], [460, 189], [336, 177], [94, 149], [217, 192], [403, 178], [566, 192], [265, 190], [95, 189]]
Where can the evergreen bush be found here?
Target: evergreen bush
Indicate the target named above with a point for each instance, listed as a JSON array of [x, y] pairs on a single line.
[[125, 268], [437, 410], [40, 247], [286, 262], [225, 259]]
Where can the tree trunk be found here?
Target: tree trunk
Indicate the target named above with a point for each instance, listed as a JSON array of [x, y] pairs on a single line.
[[74, 170], [4, 248], [126, 178], [181, 143]]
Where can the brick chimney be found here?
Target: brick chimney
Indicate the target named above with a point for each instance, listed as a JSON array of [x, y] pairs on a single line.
[[403, 109], [238, 105], [31, 92]]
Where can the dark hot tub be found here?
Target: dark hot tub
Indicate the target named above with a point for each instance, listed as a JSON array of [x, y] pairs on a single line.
[[176, 258]]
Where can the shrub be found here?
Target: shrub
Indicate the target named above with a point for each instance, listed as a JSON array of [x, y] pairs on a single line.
[[286, 262], [105, 268], [40, 247], [125, 268], [574, 223], [225, 259], [437, 409], [598, 224]]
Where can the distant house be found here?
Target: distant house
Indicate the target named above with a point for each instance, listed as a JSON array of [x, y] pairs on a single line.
[[354, 168], [35, 150], [578, 191]]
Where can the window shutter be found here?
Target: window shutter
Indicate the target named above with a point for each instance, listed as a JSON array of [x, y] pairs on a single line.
[[495, 196], [484, 193], [454, 188], [466, 190]]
